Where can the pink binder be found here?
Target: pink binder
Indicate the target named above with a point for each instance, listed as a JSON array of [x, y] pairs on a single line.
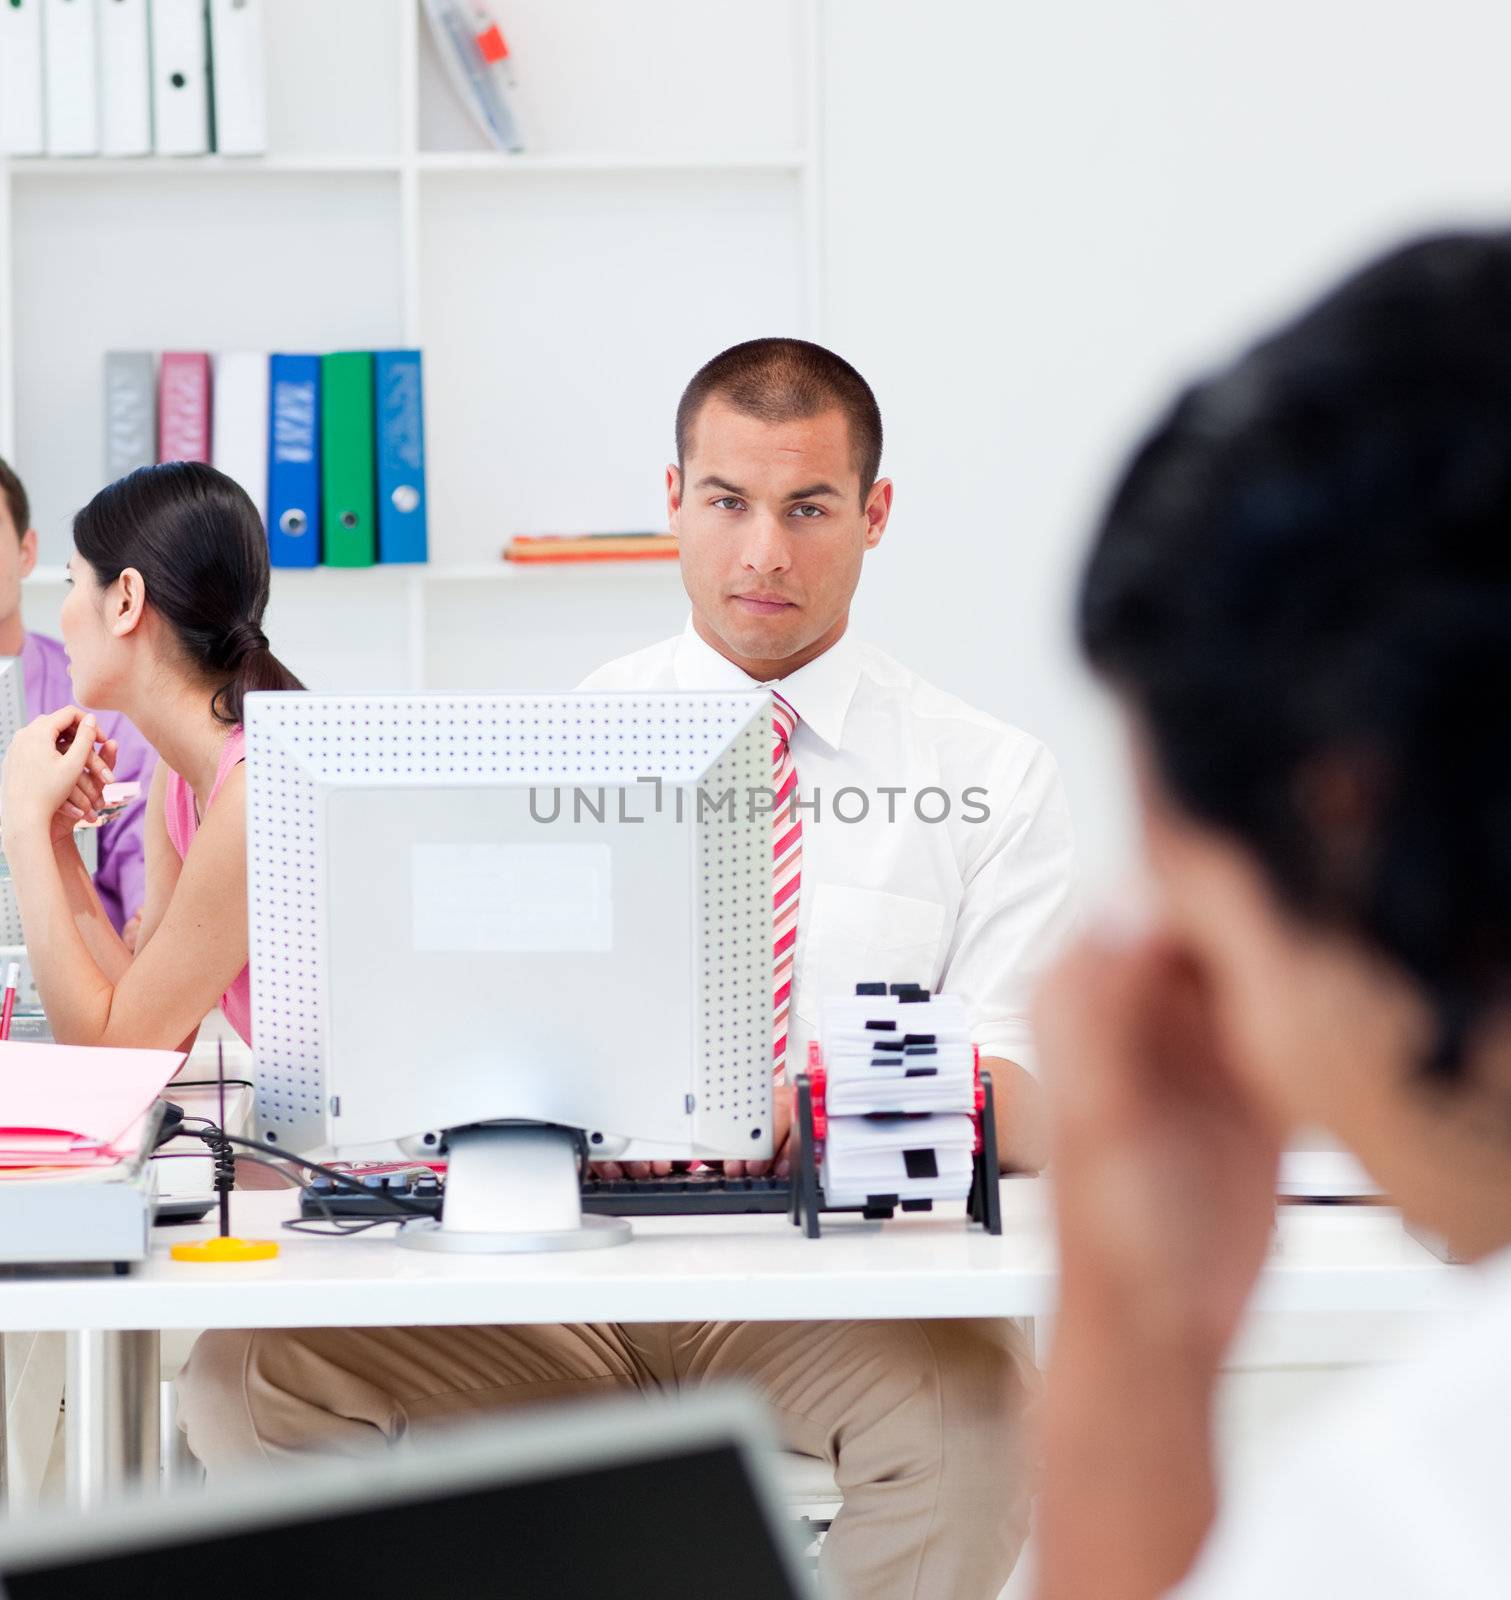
[[183, 406]]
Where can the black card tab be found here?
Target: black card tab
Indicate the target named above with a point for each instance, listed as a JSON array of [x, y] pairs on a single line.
[[921, 1163]]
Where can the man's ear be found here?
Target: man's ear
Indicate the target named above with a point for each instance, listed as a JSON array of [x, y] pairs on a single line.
[[673, 496], [126, 603], [28, 552], [878, 509]]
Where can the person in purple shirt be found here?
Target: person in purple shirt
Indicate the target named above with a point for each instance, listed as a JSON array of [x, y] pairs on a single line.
[[121, 879]]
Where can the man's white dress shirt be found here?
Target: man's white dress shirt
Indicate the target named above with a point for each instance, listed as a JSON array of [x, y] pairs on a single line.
[[970, 907]]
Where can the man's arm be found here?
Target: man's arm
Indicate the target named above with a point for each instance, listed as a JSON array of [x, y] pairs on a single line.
[[1016, 915], [1022, 1138]]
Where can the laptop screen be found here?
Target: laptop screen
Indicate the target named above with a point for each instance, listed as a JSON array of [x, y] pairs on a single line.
[[641, 1530]]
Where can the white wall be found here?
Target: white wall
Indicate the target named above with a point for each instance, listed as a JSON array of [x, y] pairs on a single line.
[[1041, 216]]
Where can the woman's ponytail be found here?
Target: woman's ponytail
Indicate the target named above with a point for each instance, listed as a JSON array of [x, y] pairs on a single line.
[[198, 542]]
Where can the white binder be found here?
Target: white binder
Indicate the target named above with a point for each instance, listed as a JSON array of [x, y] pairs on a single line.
[[237, 79], [69, 68], [239, 422], [125, 79], [21, 126], [180, 78]]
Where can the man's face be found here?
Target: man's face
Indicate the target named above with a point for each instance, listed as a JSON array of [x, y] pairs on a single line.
[[18, 555], [772, 528]]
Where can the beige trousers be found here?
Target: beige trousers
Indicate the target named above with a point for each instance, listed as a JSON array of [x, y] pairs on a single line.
[[922, 1421]]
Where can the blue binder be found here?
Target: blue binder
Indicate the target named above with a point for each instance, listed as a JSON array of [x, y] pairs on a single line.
[[294, 460], [400, 413]]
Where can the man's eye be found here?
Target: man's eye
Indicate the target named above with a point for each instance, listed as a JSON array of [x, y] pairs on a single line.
[[808, 513], [728, 503]]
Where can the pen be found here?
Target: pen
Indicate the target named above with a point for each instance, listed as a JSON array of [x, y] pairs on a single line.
[[12, 978]]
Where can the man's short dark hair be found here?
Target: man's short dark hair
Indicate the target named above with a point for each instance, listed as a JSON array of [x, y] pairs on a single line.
[[1303, 579], [781, 380], [15, 497]]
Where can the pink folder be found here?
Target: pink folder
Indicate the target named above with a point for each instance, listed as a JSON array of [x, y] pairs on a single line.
[[72, 1105], [183, 406]]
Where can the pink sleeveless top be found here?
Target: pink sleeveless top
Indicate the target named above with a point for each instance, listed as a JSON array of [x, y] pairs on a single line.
[[178, 813]]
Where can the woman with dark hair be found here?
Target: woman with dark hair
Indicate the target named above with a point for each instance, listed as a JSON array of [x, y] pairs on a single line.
[[163, 621], [1301, 596]]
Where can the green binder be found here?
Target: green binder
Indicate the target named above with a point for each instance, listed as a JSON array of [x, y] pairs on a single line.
[[348, 473]]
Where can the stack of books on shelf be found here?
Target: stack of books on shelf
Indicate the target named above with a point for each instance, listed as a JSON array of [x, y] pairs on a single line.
[[132, 78], [548, 548], [331, 448]]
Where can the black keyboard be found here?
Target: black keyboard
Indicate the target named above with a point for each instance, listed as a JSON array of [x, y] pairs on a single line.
[[687, 1194]]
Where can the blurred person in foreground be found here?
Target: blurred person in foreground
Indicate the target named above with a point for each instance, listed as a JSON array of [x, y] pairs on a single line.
[[1301, 596]]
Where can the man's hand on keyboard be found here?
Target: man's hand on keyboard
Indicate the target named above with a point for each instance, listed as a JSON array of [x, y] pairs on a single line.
[[784, 1142], [615, 1171]]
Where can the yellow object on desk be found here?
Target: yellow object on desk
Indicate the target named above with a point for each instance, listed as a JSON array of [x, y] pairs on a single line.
[[226, 1249]]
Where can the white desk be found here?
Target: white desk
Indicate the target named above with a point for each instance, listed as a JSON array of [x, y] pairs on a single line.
[[1326, 1258]]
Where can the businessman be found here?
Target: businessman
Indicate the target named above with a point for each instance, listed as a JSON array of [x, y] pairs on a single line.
[[121, 876], [932, 844]]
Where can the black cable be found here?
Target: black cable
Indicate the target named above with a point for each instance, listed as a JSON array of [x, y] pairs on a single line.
[[339, 1225], [225, 1162], [225, 1166], [211, 1083], [221, 1144], [405, 1207]]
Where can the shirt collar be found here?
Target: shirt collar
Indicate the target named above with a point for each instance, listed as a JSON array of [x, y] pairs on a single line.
[[820, 692]]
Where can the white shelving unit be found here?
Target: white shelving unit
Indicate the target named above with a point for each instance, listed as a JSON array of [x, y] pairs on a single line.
[[668, 205]]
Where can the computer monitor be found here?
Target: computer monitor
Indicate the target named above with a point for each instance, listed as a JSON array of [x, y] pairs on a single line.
[[621, 1498], [512, 929]]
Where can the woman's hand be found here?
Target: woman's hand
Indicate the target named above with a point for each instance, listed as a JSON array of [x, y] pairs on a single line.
[[54, 775], [1164, 1169]]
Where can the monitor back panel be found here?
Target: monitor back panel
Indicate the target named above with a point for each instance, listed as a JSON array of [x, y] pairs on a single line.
[[471, 907]]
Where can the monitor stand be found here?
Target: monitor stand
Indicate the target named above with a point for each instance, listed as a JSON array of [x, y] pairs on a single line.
[[512, 1188]]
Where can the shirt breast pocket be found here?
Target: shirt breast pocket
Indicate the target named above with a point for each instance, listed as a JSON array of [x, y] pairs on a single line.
[[864, 936]]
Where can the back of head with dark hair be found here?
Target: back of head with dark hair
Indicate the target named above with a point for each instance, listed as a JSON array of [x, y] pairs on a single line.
[[781, 380], [198, 542], [1303, 587], [15, 497]]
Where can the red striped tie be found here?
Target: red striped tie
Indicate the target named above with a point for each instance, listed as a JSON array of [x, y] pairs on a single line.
[[786, 873]]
